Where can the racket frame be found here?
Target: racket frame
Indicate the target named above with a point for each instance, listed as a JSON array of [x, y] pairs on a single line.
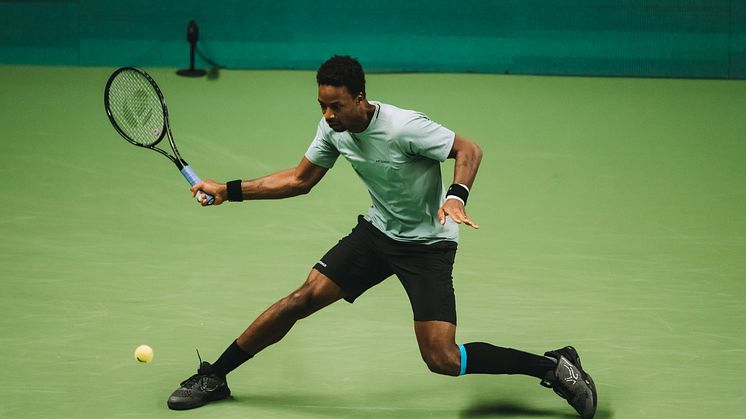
[[165, 130], [180, 163]]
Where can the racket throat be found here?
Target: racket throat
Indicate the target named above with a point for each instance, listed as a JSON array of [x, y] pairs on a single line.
[[180, 163]]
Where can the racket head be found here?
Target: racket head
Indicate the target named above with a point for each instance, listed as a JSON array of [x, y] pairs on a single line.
[[135, 106]]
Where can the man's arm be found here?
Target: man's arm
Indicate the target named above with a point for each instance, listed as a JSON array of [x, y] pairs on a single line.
[[468, 155], [283, 184]]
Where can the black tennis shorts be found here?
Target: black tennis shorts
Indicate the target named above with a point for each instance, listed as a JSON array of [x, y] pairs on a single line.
[[367, 256]]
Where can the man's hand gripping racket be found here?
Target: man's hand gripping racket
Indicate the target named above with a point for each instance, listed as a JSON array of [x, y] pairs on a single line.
[[208, 187]]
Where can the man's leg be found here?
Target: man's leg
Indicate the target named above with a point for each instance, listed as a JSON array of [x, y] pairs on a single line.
[[442, 355], [316, 293], [209, 384], [438, 348], [560, 369]]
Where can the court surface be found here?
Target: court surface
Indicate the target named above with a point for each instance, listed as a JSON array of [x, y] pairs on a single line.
[[611, 215]]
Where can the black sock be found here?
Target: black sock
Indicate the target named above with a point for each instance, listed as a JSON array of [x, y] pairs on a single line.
[[483, 358], [231, 359]]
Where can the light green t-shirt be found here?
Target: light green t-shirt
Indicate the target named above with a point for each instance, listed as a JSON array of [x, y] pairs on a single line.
[[398, 158]]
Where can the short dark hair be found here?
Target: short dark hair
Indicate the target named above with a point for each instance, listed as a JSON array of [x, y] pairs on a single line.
[[342, 70]]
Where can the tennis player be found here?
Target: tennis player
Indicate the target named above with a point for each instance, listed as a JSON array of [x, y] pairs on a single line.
[[411, 230]]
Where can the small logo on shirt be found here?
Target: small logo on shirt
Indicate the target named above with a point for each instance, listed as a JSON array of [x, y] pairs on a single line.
[[322, 263], [383, 161]]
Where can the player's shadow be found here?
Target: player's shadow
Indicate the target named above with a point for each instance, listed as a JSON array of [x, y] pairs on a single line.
[[331, 406], [503, 409]]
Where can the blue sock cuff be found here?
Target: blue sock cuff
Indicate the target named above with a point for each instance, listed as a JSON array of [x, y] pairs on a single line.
[[463, 359]]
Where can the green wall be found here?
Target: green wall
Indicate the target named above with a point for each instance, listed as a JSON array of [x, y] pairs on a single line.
[[661, 38]]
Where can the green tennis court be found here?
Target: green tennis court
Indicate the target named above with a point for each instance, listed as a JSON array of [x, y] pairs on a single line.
[[611, 214]]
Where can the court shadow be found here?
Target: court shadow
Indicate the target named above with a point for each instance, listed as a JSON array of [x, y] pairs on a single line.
[[502, 409], [331, 406], [312, 404], [507, 409], [213, 73]]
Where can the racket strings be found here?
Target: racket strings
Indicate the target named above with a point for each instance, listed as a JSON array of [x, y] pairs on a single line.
[[136, 108]]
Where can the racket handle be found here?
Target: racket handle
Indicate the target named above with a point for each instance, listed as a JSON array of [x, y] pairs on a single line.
[[192, 178]]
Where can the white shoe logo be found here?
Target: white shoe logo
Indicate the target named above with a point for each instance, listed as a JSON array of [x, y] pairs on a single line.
[[573, 377]]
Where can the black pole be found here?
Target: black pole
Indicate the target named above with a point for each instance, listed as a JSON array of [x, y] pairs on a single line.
[[192, 38], [191, 57]]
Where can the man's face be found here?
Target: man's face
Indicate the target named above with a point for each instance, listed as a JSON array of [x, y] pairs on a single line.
[[342, 111]]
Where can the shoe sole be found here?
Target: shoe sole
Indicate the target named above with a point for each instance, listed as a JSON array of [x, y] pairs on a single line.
[[200, 403], [592, 385]]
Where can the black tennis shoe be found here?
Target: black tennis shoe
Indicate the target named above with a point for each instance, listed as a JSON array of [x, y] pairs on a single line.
[[571, 383], [198, 390]]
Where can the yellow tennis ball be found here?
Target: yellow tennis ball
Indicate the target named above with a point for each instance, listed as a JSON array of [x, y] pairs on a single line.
[[144, 354]]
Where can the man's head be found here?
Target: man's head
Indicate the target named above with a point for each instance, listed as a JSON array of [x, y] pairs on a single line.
[[341, 83], [342, 71]]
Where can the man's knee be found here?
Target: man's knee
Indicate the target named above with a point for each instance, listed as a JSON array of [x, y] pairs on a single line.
[[442, 360], [299, 303], [316, 293]]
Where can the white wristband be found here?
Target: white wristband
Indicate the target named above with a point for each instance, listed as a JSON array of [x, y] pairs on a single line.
[[454, 197]]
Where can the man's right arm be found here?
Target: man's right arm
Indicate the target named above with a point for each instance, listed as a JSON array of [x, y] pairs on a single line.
[[284, 184]]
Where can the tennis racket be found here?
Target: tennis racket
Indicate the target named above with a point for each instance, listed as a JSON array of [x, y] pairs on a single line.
[[136, 109]]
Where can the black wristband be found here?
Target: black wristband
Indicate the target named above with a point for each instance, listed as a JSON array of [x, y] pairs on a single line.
[[234, 191], [459, 192]]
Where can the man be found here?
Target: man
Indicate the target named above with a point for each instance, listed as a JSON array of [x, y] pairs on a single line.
[[411, 230]]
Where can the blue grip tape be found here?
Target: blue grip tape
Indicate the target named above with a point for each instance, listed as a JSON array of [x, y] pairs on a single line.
[[192, 178], [463, 359]]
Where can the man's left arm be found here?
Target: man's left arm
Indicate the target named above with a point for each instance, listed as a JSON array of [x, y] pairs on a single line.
[[468, 155]]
